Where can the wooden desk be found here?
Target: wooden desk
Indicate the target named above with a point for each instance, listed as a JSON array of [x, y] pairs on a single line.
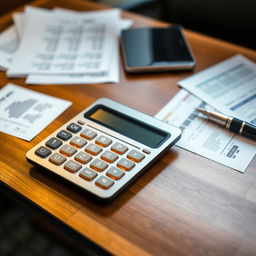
[[183, 205]]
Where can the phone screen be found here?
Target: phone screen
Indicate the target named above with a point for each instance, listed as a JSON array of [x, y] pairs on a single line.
[[155, 46]]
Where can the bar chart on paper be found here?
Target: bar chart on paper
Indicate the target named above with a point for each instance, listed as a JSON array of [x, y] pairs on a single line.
[[24, 113]]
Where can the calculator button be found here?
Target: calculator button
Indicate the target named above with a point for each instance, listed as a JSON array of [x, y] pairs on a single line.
[[125, 164], [88, 134], [81, 122], [93, 149], [114, 173], [104, 182], [72, 166], [135, 156], [57, 159], [74, 128], [64, 135], [103, 141], [88, 174], [83, 158], [67, 150], [78, 142], [53, 143], [98, 165], [119, 148], [43, 152], [109, 156], [146, 151]]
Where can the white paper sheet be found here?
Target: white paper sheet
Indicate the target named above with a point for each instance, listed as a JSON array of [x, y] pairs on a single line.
[[63, 44], [230, 87], [8, 46], [112, 75], [24, 113], [19, 23], [206, 138]]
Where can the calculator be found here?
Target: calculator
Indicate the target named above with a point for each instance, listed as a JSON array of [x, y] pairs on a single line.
[[104, 148]]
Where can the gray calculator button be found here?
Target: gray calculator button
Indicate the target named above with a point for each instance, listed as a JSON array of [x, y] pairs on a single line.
[[104, 182], [67, 150], [103, 141], [82, 158], [57, 159], [64, 135], [114, 173], [93, 149], [119, 148], [53, 143], [88, 134], [144, 150], [88, 174], [109, 156], [78, 142], [98, 165], [72, 166], [43, 152], [81, 122], [135, 156], [125, 164], [74, 128]]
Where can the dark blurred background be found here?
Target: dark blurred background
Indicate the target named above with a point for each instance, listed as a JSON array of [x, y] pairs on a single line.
[[230, 20]]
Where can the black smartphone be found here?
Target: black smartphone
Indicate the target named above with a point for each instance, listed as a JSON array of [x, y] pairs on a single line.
[[156, 49]]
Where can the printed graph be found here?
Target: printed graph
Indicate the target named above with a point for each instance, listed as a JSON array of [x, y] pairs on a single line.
[[18, 108]]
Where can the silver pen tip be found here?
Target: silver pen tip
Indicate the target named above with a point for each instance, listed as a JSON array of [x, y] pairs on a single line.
[[201, 111]]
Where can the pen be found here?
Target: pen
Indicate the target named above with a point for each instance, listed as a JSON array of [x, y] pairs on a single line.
[[233, 124]]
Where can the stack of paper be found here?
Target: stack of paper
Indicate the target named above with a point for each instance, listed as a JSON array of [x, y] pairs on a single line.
[[62, 46], [228, 87]]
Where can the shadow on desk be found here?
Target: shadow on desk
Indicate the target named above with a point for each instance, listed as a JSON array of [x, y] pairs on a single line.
[[54, 182], [26, 230]]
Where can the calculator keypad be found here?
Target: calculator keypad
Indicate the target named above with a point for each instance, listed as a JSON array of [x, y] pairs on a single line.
[[98, 165], [109, 156], [57, 159], [115, 173], [95, 157], [93, 149], [119, 148], [125, 164], [104, 182], [53, 143], [67, 150], [75, 128], [72, 166], [43, 152], [78, 142], [135, 156], [88, 134], [88, 174], [83, 158], [64, 135], [103, 141]]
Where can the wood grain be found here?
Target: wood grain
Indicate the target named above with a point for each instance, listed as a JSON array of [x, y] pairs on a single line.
[[183, 205]]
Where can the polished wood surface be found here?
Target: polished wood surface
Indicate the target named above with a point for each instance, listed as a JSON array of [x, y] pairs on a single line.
[[183, 205]]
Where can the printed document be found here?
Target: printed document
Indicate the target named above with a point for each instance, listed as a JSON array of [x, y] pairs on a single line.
[[111, 75], [204, 137], [24, 113], [229, 87], [63, 44], [8, 46]]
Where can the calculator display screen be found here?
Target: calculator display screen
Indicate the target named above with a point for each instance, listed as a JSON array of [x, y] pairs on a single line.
[[128, 126]]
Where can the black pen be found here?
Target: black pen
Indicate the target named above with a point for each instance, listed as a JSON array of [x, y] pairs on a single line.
[[233, 124]]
